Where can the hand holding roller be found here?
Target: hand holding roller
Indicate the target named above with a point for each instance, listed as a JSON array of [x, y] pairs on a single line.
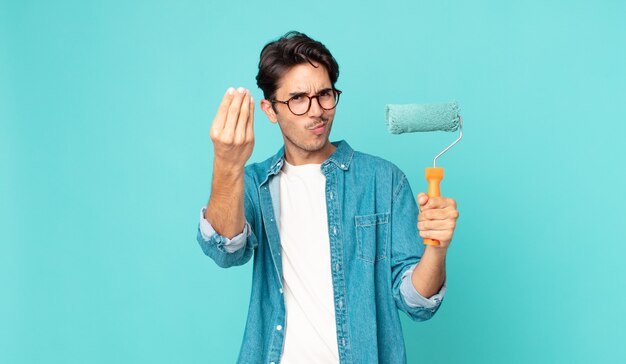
[[410, 118]]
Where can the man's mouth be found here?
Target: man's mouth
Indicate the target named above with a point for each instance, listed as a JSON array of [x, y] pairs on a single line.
[[318, 129]]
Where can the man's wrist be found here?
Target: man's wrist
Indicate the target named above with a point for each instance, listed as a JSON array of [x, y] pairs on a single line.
[[227, 170], [436, 251]]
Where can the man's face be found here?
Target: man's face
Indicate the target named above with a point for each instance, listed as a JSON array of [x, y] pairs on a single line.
[[305, 135]]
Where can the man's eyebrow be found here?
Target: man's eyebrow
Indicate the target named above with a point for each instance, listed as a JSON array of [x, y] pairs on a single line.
[[300, 93], [297, 93]]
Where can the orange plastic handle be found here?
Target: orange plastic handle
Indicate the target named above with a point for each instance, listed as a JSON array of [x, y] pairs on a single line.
[[434, 177]]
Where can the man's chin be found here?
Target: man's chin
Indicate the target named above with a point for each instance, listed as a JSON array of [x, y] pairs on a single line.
[[318, 145]]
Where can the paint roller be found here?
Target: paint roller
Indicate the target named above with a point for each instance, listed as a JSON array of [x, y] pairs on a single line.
[[411, 118]]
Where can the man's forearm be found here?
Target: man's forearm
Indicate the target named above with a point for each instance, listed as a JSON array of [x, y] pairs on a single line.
[[225, 210], [430, 273]]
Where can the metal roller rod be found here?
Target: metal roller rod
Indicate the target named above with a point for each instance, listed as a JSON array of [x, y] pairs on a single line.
[[451, 145]]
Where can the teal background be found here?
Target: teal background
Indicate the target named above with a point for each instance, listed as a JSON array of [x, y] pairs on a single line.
[[105, 162]]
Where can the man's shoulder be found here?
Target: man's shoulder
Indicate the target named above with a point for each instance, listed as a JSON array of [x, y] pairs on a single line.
[[371, 170], [259, 170], [374, 163]]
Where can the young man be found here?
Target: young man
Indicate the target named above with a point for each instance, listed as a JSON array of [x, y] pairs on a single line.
[[334, 232]]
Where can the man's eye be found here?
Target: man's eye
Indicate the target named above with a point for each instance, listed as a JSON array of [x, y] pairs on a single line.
[[296, 98], [325, 93]]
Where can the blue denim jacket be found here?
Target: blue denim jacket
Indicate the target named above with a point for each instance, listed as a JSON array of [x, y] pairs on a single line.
[[374, 246]]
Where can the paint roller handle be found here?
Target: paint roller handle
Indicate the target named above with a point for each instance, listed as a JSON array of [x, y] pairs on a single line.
[[434, 177]]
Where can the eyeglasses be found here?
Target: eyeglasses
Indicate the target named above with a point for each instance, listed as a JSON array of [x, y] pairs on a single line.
[[300, 104]]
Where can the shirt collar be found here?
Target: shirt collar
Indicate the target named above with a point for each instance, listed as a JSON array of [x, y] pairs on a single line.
[[341, 157], [277, 162]]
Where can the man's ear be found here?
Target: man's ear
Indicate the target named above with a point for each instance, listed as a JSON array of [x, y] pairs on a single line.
[[267, 108]]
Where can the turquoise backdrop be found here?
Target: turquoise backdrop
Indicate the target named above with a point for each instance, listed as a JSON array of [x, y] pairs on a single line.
[[105, 162]]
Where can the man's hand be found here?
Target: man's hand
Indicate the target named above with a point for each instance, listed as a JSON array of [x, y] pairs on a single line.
[[437, 218], [232, 134], [232, 131]]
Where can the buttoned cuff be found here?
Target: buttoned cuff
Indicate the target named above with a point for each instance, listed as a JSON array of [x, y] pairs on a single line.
[[413, 298], [229, 245]]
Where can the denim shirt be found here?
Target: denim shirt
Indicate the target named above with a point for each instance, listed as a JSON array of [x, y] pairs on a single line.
[[374, 247]]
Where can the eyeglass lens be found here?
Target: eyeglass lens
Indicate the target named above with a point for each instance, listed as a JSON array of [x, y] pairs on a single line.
[[301, 104]]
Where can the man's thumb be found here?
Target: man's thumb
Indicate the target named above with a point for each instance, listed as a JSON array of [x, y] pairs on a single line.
[[422, 198]]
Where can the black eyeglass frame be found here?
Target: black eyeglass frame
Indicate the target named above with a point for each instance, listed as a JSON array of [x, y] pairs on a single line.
[[338, 92]]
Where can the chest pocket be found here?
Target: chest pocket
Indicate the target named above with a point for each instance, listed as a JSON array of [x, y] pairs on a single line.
[[372, 233]]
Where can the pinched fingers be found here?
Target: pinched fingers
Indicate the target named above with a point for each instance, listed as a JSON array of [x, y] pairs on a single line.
[[232, 133], [222, 112], [250, 123], [242, 122], [234, 111]]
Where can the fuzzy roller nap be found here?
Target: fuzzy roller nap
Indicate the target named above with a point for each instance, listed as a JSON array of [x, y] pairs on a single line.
[[409, 118]]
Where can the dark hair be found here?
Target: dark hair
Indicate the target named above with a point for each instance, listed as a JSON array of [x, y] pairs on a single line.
[[291, 49]]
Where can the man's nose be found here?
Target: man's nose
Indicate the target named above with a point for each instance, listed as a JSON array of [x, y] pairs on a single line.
[[316, 107]]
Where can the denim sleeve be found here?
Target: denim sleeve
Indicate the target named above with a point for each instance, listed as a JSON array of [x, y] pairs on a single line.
[[413, 298], [407, 249], [229, 245], [226, 252]]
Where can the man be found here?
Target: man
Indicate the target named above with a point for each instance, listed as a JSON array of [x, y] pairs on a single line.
[[334, 232]]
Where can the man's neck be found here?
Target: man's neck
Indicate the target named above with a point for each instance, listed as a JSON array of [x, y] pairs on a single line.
[[296, 156]]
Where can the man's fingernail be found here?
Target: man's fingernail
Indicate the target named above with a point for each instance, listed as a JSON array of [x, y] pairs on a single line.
[[241, 90], [230, 90]]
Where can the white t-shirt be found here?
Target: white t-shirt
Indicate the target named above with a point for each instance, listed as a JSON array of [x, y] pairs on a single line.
[[310, 335]]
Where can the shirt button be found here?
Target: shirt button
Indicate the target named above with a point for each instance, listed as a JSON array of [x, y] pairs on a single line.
[[343, 166], [337, 267], [272, 363], [331, 195], [281, 290], [279, 327], [343, 342], [340, 303], [334, 230]]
